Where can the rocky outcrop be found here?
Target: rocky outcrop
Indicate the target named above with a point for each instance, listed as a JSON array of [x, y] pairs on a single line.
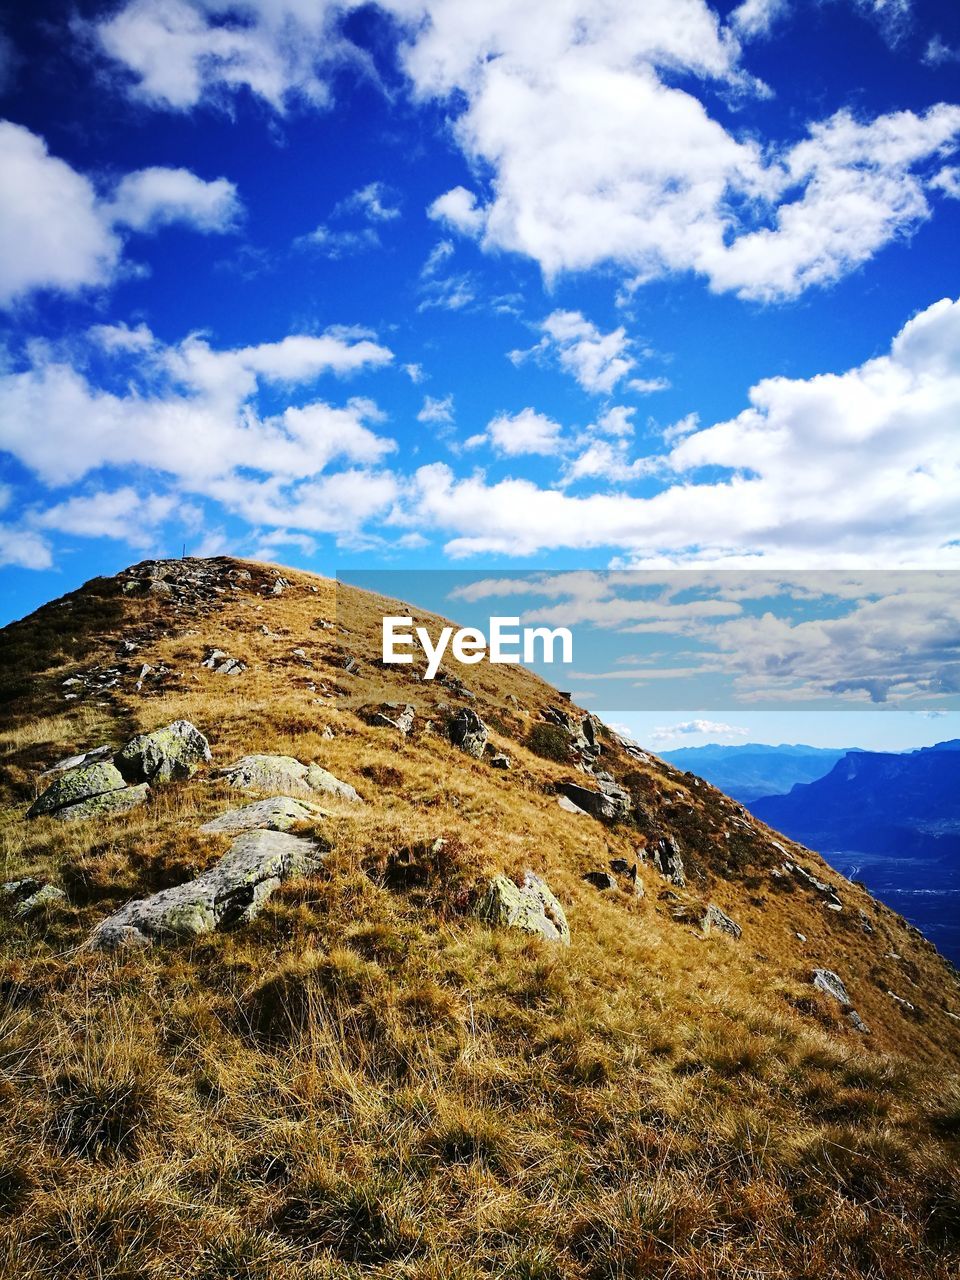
[[73, 787], [714, 918], [231, 893], [583, 732], [277, 813], [170, 754], [608, 802], [28, 896], [568, 806], [392, 715], [831, 983], [602, 880], [223, 664], [468, 732], [285, 775], [667, 860], [530, 907]]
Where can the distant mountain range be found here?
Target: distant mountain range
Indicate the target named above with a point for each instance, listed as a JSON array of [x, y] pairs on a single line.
[[752, 770], [904, 805]]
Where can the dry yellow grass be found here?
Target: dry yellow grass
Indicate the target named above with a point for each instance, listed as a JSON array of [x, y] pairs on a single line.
[[369, 1082]]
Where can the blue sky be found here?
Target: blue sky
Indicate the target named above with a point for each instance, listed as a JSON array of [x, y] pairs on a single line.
[[511, 285]]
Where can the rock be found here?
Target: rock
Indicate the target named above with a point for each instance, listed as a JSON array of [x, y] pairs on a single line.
[[532, 908], [172, 753], [826, 980], [221, 662], [76, 785], [567, 804], [812, 882], [29, 896], [609, 804], [602, 880], [667, 860], [328, 733], [278, 813], [630, 870], [351, 666], [468, 732], [286, 776], [95, 756], [393, 715], [232, 892], [501, 762], [904, 1004], [110, 804], [857, 1023], [714, 918], [865, 924]]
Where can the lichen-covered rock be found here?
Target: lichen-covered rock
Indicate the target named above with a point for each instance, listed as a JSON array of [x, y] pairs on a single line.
[[169, 754], [714, 918], [76, 785], [667, 860], [531, 908], [468, 732], [110, 804], [286, 775], [28, 896], [830, 982], [278, 813], [609, 803], [231, 893]]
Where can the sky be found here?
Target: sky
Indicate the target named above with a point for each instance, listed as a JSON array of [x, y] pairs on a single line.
[[519, 285]]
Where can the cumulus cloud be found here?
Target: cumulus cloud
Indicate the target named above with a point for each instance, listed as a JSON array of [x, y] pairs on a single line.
[[836, 469], [596, 360], [58, 232], [437, 410], [376, 202], [526, 432], [122, 514], [700, 728]]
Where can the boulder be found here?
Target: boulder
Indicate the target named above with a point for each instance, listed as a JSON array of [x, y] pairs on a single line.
[[96, 756], [857, 1023], [28, 896], [76, 785], [667, 860], [501, 762], [602, 880], [830, 982], [610, 803], [285, 775], [568, 806], [714, 918], [172, 753], [110, 804], [231, 893], [530, 907], [393, 715], [220, 661], [277, 813], [468, 732]]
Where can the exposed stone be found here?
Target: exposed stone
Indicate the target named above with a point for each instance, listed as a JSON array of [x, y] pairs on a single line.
[[567, 804], [865, 924], [629, 870], [468, 732], [286, 776], [667, 860], [219, 661], [532, 908], [75, 785], [393, 715], [500, 762], [277, 813], [171, 753], [826, 980], [904, 1004], [602, 880], [109, 804], [857, 1023], [94, 756], [231, 893], [610, 803], [714, 918], [28, 896]]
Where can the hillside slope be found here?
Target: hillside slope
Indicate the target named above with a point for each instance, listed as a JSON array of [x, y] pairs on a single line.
[[367, 1079]]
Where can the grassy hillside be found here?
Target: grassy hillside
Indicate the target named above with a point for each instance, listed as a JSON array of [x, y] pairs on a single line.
[[367, 1080]]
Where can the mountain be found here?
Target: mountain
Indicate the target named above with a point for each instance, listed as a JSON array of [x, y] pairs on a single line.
[[751, 770], [907, 805], [312, 967]]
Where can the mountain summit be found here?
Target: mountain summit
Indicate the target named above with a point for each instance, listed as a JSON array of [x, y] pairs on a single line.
[[316, 968]]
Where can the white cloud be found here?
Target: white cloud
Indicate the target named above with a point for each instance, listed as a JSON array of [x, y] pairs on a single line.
[[337, 243], [699, 728], [948, 181], [451, 293], [24, 549], [938, 53], [414, 372], [756, 17], [57, 232], [436, 409], [178, 53], [156, 197], [615, 421], [122, 514], [374, 202], [598, 361], [520, 433], [438, 255], [458, 208], [846, 469]]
